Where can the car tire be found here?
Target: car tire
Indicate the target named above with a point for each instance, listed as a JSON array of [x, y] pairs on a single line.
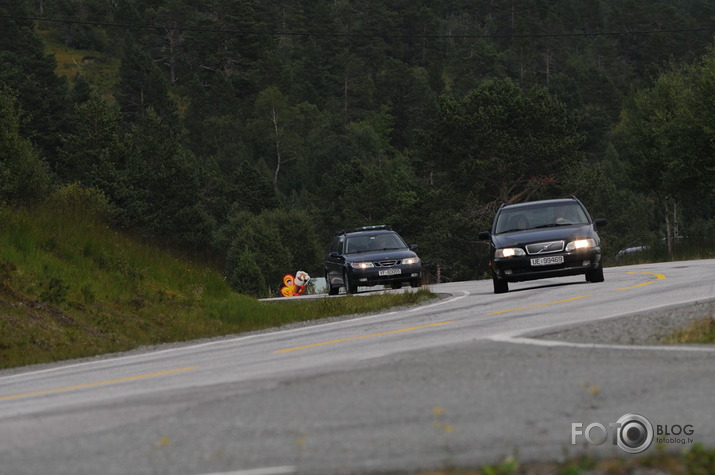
[[332, 290], [595, 275], [350, 288], [396, 285], [416, 283], [500, 286]]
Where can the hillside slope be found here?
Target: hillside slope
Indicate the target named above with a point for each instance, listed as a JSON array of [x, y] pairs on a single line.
[[72, 287]]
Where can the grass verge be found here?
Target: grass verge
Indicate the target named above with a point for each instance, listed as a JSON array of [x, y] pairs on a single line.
[[71, 287], [696, 460], [701, 331]]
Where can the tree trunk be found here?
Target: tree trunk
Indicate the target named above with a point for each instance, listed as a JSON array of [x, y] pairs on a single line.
[[668, 228], [274, 119], [346, 85]]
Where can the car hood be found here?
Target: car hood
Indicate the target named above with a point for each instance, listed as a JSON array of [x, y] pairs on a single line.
[[380, 255], [565, 233]]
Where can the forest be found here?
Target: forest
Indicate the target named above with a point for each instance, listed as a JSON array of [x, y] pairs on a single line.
[[246, 132]]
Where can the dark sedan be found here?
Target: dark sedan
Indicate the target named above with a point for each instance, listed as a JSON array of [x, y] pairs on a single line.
[[542, 239], [369, 256]]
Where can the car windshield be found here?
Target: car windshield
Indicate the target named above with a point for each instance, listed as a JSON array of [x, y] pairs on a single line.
[[374, 242], [540, 216]]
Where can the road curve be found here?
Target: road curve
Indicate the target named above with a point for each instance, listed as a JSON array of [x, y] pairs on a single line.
[[462, 381]]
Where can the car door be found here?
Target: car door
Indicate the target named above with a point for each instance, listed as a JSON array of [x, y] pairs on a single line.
[[334, 261]]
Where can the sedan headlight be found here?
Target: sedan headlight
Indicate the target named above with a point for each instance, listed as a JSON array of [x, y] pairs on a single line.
[[362, 265], [580, 244], [510, 252], [411, 260]]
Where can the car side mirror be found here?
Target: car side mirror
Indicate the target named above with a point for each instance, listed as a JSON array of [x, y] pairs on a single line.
[[484, 236], [600, 222], [334, 254], [413, 247]]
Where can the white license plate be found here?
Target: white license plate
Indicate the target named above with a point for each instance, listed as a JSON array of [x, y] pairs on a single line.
[[547, 261], [390, 272]]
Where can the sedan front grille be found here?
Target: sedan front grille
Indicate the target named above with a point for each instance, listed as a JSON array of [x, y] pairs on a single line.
[[386, 263], [545, 247]]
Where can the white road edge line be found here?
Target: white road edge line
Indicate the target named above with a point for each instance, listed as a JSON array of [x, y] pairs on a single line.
[[554, 343], [260, 471], [518, 337], [453, 299], [220, 342]]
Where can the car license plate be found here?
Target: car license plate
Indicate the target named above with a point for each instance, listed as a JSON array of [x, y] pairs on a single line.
[[547, 261], [390, 272]]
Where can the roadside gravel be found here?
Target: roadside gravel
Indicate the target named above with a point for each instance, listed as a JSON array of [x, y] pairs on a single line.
[[650, 328]]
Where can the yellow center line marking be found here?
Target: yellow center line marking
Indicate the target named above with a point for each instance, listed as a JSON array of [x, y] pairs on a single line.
[[499, 312], [539, 305], [657, 276], [361, 337], [97, 383]]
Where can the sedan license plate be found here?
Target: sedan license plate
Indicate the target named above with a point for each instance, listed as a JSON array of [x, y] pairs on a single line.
[[390, 272], [547, 261]]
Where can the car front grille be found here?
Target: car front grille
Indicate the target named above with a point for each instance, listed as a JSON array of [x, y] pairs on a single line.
[[545, 247], [386, 263]]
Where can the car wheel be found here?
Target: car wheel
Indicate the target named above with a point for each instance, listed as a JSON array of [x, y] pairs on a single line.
[[500, 286], [332, 290], [396, 285], [349, 286], [416, 283], [595, 275]]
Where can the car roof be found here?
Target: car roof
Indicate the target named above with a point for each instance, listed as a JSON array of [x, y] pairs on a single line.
[[371, 232], [529, 204], [377, 229]]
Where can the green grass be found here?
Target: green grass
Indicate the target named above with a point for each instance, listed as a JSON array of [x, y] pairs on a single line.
[[72, 287], [701, 331], [695, 460]]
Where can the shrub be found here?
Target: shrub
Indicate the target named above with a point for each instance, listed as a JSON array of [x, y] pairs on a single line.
[[79, 203], [245, 275]]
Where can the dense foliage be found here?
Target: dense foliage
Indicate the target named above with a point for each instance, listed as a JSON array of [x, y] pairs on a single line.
[[249, 131]]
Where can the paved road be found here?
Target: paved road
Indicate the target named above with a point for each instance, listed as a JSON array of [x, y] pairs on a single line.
[[461, 381]]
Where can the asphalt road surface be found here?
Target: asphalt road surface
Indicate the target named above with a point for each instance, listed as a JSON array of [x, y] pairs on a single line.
[[462, 381]]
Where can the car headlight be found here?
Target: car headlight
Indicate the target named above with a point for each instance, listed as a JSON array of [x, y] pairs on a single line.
[[362, 265], [580, 244], [411, 260], [510, 252]]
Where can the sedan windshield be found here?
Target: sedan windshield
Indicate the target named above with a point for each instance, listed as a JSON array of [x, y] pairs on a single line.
[[374, 242], [543, 216]]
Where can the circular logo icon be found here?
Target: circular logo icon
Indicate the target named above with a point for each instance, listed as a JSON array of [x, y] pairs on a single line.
[[634, 434]]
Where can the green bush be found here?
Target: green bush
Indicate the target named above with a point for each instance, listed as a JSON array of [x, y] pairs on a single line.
[[78, 203], [24, 177], [245, 276]]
